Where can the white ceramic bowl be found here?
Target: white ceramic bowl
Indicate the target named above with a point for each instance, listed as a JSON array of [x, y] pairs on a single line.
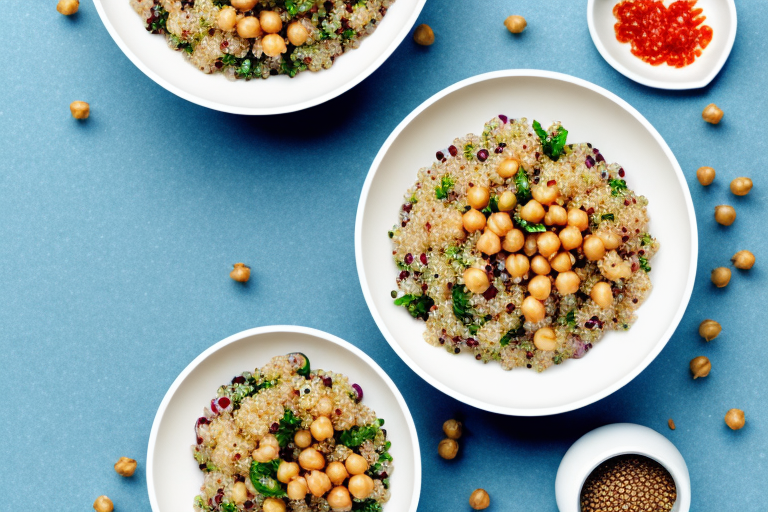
[[591, 114], [277, 94], [610, 441], [721, 16], [173, 478]]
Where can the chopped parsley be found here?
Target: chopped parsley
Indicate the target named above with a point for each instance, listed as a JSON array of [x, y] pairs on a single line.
[[523, 186], [290, 67], [529, 226], [369, 505], [356, 436], [569, 319], [607, 216], [294, 7], [417, 305], [287, 427], [493, 206], [454, 253], [446, 184], [158, 20], [263, 478], [228, 507], [553, 143], [617, 187], [512, 334], [644, 263], [469, 148], [645, 239], [463, 311]]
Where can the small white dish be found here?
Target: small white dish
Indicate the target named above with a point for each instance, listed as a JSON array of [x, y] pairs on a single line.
[[721, 16], [173, 477], [610, 441], [591, 114], [275, 95]]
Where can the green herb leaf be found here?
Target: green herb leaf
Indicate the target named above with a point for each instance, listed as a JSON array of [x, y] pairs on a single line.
[[228, 507], [607, 216], [417, 305], [454, 254], [159, 19], [523, 186], [511, 335], [530, 227], [263, 478], [644, 263], [469, 149], [461, 308], [356, 436], [228, 60], [617, 187], [493, 206], [569, 319], [287, 427], [446, 184], [645, 239], [369, 505], [552, 144]]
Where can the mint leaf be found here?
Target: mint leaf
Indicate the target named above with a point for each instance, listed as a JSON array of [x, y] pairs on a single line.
[[553, 143]]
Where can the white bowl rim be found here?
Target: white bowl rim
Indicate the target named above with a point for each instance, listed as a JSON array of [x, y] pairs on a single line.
[[260, 111], [661, 84], [515, 411], [273, 329]]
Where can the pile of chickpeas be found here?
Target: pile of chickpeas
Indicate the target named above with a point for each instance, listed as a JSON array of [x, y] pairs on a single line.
[[266, 26], [541, 253]]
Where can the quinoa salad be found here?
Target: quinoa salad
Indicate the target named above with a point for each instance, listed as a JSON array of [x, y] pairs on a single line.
[[259, 38], [286, 437], [517, 247]]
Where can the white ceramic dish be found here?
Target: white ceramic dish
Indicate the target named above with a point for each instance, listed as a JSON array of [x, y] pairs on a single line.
[[277, 94], [591, 114], [173, 478], [721, 16], [609, 441]]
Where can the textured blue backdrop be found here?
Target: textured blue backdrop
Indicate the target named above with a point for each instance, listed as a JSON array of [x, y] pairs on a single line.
[[117, 235]]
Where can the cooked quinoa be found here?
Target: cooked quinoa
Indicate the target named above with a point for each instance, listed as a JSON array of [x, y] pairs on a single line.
[[433, 248], [331, 28], [276, 405]]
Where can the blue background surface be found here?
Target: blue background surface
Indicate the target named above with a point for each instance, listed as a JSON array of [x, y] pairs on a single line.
[[117, 236]]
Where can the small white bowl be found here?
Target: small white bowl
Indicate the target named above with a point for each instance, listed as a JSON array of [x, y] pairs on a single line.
[[721, 16], [610, 441], [173, 477]]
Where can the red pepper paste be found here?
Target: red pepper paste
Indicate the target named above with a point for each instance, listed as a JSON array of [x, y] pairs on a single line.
[[660, 34]]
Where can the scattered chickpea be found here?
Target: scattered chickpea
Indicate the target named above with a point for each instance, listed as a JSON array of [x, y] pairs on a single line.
[[507, 201], [318, 483], [473, 220], [244, 5], [671, 424], [125, 466], [712, 114], [602, 295], [562, 262], [721, 276], [68, 7], [287, 471], [476, 280], [517, 265], [239, 493], [479, 499], [570, 238], [500, 223], [489, 242], [533, 310], [545, 339], [556, 215], [336, 472], [530, 246], [610, 240], [273, 505], [321, 428], [567, 283], [700, 367], [240, 273], [361, 486], [743, 260], [80, 109], [227, 19], [339, 499], [741, 186], [103, 504], [545, 194], [310, 459], [508, 167], [356, 464], [297, 488], [249, 27], [270, 22], [709, 329], [540, 265], [548, 243], [478, 197], [513, 241], [453, 429], [735, 419], [594, 248], [705, 175], [578, 218], [540, 287], [448, 448], [515, 24], [725, 214], [273, 45], [302, 438], [297, 34], [532, 211], [423, 35]]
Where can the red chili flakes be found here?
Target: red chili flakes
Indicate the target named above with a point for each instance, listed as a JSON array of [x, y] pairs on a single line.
[[660, 34]]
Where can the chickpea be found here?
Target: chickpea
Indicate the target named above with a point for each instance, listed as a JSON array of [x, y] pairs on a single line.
[[508, 167], [570, 238], [473, 220], [721, 276], [532, 211], [712, 114], [515, 24], [479, 499], [602, 295], [476, 280], [500, 223], [318, 483], [517, 265], [80, 109], [545, 339], [531, 246], [287, 471], [743, 260], [244, 5], [270, 22], [562, 262], [705, 175], [356, 464], [725, 214], [103, 504], [248, 27], [227, 19], [448, 448], [478, 197], [548, 243], [268, 449], [513, 241], [614, 268], [302, 438], [540, 287], [336, 472], [321, 428], [567, 283], [709, 329], [239, 493], [324, 407], [533, 310], [273, 505], [489, 242], [339, 499], [361, 486], [310, 459], [556, 216], [423, 35], [68, 7], [544, 193], [297, 489], [594, 249], [452, 429], [125, 466], [507, 201], [578, 218], [700, 367], [240, 273], [741, 186], [273, 45], [297, 34], [610, 240], [540, 265], [735, 419]]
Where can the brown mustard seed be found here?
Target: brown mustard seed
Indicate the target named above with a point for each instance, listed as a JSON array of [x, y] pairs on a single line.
[[448, 448], [705, 175], [629, 483], [743, 260], [671, 424], [709, 329], [479, 499], [700, 367], [424, 35], [735, 419], [721, 276], [453, 429], [240, 273]]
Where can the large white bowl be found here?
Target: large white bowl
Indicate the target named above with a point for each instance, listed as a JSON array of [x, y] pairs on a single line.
[[591, 114], [277, 94], [721, 16], [173, 478]]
